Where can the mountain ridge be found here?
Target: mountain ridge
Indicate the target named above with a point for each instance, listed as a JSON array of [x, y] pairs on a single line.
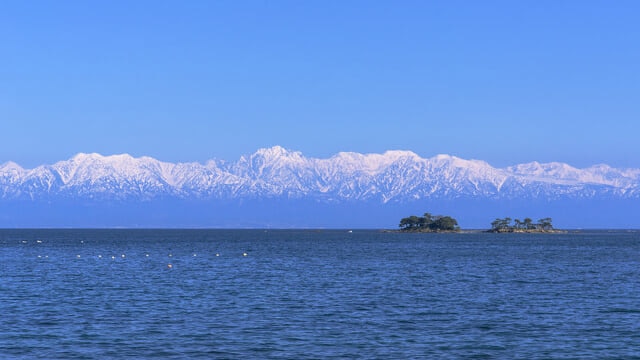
[[275, 172]]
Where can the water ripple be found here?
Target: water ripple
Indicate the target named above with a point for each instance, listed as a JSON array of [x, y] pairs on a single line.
[[306, 295]]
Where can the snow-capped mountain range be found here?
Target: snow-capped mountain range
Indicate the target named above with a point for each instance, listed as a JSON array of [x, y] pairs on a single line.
[[391, 177]]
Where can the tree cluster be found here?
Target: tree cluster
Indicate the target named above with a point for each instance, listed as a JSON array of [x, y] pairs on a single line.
[[429, 223], [505, 225]]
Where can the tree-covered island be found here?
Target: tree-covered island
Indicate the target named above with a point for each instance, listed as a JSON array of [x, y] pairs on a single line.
[[440, 223], [525, 226], [429, 223]]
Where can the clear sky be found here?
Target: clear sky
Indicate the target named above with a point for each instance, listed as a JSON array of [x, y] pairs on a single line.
[[502, 81]]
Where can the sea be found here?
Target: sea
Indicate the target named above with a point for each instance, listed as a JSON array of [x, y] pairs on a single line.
[[318, 294]]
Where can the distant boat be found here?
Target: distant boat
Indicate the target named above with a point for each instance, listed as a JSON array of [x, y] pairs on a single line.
[[350, 231]]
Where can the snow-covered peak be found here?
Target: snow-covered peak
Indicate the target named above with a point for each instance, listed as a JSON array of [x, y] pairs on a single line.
[[94, 167], [475, 166], [552, 169], [268, 160], [11, 166], [276, 152], [600, 168], [442, 158], [370, 163], [120, 162], [272, 155], [86, 156], [448, 160], [608, 173], [110, 159], [400, 154], [561, 173], [89, 158]]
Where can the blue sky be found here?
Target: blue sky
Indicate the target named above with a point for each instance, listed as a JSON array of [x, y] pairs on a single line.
[[503, 81]]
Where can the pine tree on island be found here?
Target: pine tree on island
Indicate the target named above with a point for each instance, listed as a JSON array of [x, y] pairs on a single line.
[[527, 225], [429, 223]]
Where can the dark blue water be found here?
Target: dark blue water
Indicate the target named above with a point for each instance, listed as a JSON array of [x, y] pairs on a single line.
[[93, 294]]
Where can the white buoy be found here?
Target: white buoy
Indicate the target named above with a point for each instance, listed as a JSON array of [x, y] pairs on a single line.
[[244, 254]]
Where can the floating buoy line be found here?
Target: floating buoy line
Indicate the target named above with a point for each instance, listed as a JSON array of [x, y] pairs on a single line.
[[125, 257]]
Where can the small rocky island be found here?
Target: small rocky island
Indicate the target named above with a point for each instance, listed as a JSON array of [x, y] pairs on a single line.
[[526, 226], [429, 223]]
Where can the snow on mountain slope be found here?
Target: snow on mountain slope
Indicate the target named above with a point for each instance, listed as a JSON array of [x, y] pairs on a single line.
[[394, 176]]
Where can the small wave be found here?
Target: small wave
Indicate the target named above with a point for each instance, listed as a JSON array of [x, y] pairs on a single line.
[[621, 310]]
